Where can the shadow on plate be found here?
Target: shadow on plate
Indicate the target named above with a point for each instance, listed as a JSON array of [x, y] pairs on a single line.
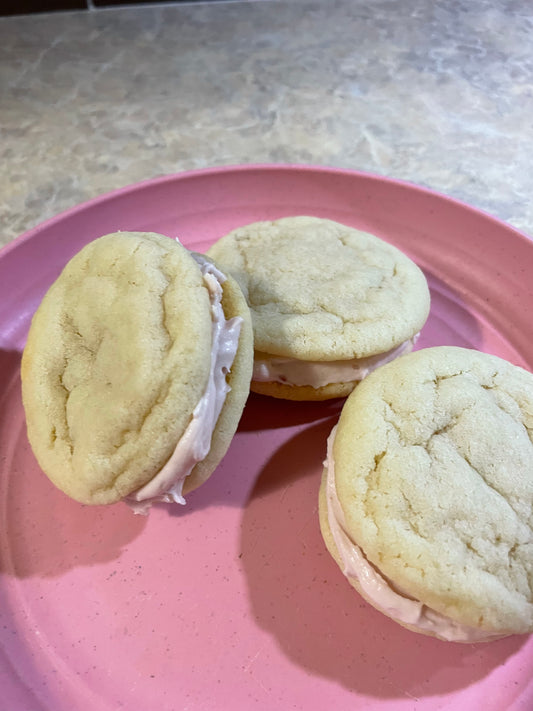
[[265, 413], [9, 374], [235, 477], [299, 595], [451, 320], [263, 426]]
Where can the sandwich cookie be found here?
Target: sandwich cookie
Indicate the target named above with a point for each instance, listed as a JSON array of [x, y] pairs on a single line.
[[329, 303], [427, 494], [136, 371]]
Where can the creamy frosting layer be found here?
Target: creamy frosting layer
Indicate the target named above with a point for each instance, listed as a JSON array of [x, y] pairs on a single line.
[[375, 587], [195, 443], [317, 374]]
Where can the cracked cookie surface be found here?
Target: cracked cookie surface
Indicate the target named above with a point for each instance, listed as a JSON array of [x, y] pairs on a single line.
[[117, 357], [319, 290], [434, 471]]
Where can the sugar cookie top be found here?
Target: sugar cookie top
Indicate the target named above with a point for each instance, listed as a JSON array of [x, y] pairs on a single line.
[[434, 472], [117, 358], [319, 290]]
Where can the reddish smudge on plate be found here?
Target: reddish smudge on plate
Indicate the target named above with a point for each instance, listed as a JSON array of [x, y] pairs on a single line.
[[232, 601]]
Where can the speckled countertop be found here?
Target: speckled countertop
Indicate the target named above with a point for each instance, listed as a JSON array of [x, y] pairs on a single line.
[[439, 93]]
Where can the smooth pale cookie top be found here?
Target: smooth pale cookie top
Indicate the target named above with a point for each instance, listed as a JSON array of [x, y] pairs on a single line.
[[434, 472], [319, 290], [117, 357]]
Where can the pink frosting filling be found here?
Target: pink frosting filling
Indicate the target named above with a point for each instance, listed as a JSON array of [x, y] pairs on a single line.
[[291, 371], [194, 444]]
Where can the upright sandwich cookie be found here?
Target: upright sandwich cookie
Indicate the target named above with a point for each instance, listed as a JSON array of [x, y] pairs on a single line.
[[329, 303], [427, 496], [136, 371]]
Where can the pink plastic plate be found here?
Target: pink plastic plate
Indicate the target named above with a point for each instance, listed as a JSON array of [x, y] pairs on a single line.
[[232, 602]]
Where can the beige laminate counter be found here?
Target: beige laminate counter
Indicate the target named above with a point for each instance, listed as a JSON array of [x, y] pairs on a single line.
[[437, 93]]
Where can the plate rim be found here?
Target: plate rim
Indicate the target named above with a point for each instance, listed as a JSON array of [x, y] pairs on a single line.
[[224, 169]]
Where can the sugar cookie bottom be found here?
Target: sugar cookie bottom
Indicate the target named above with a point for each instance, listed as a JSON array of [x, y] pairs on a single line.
[[303, 392]]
